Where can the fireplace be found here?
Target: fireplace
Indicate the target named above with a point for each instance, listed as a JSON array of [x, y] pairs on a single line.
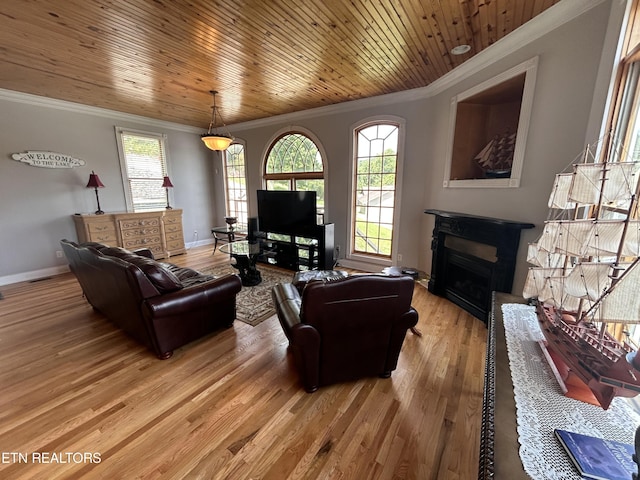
[[472, 257]]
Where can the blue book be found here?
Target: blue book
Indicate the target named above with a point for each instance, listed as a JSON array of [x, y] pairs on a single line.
[[598, 459]]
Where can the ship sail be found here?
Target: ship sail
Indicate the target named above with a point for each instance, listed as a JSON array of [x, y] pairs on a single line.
[[588, 237], [585, 273], [621, 303]]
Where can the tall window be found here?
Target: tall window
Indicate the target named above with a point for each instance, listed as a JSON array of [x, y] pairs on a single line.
[[294, 162], [624, 119], [144, 164], [236, 183], [374, 189]]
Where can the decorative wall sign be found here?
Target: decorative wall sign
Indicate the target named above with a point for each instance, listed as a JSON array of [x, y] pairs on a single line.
[[48, 159]]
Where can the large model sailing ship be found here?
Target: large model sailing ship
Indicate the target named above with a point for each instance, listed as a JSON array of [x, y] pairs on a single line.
[[586, 274]]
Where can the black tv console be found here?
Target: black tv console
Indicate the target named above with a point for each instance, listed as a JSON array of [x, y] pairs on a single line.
[[304, 248]]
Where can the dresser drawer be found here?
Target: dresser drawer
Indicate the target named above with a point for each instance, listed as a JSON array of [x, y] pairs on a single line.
[[173, 219], [149, 231], [139, 222], [131, 243], [108, 238], [173, 228], [175, 247], [101, 227]]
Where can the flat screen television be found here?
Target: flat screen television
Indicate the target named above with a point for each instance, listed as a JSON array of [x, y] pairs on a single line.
[[282, 211]]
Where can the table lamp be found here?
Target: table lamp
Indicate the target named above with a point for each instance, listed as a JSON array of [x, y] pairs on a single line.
[[94, 182], [166, 184]]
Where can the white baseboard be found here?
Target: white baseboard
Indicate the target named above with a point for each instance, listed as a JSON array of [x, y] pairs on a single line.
[[360, 265], [34, 275], [199, 243]]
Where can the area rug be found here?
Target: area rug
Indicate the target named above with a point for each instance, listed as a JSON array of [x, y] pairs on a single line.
[[253, 304]]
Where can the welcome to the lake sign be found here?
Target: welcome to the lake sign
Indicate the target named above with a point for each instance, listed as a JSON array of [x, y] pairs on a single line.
[[48, 159]]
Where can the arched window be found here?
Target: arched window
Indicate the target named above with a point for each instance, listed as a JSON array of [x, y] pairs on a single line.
[[294, 162], [375, 187], [236, 183]]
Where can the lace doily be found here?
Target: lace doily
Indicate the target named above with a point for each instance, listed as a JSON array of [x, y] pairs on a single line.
[[541, 406]]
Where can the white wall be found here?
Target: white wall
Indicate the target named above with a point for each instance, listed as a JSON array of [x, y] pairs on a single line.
[[569, 61], [37, 203]]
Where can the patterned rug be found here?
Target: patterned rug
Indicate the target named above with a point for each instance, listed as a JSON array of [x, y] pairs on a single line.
[[253, 304]]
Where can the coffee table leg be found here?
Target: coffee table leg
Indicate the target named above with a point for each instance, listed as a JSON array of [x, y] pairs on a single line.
[[249, 274]]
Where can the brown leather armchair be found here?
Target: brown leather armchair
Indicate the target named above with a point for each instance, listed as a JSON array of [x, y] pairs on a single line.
[[346, 329]]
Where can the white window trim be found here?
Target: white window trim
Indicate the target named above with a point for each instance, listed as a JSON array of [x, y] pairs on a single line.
[[224, 178], [325, 161], [360, 260], [123, 163]]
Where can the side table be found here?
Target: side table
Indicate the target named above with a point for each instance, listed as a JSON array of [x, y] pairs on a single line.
[[226, 231]]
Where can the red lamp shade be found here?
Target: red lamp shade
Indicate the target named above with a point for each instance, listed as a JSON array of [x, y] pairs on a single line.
[[166, 183], [94, 181]]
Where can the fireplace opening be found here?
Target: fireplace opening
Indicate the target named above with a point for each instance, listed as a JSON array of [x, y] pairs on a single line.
[[472, 257], [467, 280]]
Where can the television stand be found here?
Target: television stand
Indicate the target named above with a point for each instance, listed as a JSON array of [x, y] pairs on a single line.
[[304, 248]]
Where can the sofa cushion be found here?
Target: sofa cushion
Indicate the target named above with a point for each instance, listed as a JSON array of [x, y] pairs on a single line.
[[164, 280]]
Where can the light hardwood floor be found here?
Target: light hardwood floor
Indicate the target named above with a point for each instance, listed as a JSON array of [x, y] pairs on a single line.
[[229, 406]]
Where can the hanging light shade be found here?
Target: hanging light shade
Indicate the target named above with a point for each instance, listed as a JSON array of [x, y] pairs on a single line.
[[213, 140]]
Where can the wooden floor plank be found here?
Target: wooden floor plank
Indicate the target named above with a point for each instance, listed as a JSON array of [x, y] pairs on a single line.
[[231, 405]]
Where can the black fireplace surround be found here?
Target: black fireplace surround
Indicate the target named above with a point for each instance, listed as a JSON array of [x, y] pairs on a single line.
[[472, 257]]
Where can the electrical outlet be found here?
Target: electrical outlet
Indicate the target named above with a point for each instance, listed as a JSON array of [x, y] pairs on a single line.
[[399, 257], [195, 233], [59, 253]]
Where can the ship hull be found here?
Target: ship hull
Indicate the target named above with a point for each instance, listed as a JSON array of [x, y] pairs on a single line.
[[601, 363]]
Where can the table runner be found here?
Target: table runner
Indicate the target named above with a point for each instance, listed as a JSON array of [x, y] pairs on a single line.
[[541, 406]]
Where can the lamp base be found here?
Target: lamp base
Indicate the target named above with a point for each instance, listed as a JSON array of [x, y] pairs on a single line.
[[99, 212], [168, 207]]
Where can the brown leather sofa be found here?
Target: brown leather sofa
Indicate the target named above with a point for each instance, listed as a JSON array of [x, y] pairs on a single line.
[[161, 305], [344, 329]]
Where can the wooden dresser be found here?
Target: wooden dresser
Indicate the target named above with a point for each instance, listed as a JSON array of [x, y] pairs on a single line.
[[160, 231]]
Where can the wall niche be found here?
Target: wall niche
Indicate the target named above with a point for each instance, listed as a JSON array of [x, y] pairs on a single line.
[[488, 129]]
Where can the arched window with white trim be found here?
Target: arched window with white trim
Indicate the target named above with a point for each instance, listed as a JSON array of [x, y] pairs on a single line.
[[235, 183], [375, 187], [294, 162]]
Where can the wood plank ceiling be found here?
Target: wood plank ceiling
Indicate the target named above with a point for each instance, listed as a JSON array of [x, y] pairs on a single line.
[[161, 58]]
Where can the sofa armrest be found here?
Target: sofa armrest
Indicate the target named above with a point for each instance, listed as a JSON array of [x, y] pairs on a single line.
[[305, 344], [287, 301], [192, 298]]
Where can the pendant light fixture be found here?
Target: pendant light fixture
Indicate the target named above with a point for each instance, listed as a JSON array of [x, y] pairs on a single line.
[[212, 140]]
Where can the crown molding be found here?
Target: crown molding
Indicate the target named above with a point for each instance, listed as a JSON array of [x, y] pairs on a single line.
[[552, 18], [38, 101]]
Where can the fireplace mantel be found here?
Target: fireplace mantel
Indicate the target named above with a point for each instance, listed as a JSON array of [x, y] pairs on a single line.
[[473, 256]]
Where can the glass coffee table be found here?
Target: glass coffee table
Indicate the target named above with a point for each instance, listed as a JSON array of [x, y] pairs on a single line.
[[227, 231], [245, 254]]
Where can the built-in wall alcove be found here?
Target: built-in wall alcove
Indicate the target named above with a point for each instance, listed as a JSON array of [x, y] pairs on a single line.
[[488, 128]]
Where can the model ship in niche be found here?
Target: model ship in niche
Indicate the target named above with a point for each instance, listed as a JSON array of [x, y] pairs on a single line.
[[496, 158], [585, 281]]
